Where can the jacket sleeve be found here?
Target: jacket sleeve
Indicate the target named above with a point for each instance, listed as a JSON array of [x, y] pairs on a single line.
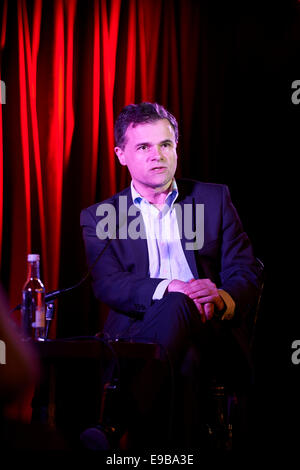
[[240, 272], [114, 281]]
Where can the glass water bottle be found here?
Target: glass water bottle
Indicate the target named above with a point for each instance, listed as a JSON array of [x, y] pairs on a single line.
[[33, 301]]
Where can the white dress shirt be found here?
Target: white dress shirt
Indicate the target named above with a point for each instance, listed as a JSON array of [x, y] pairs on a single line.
[[166, 256]]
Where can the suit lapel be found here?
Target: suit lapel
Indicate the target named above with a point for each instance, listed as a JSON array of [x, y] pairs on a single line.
[[137, 247], [189, 254]]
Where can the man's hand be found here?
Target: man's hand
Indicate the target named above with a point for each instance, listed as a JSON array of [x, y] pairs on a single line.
[[203, 292]]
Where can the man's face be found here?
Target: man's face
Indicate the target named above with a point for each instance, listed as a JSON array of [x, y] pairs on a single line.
[[150, 155]]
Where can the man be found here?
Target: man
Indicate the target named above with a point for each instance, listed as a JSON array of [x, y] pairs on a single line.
[[179, 268]]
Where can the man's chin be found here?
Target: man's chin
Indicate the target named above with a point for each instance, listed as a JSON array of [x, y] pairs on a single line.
[[162, 185]]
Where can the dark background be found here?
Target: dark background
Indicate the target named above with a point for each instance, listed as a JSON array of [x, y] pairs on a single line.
[[226, 72]]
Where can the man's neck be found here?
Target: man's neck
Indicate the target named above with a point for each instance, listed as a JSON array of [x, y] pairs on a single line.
[[155, 196]]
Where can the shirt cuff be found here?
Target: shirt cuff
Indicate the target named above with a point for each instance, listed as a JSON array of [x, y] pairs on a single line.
[[229, 303], [161, 289]]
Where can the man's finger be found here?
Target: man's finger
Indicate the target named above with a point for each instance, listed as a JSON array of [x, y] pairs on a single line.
[[191, 288], [201, 311], [205, 299], [200, 294], [209, 310]]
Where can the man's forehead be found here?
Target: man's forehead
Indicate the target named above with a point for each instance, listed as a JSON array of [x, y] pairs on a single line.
[[143, 129]]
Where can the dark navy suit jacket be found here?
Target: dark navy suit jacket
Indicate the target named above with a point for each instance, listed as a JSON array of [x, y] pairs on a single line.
[[121, 278]]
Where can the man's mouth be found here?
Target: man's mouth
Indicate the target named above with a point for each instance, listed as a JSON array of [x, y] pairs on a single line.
[[159, 168]]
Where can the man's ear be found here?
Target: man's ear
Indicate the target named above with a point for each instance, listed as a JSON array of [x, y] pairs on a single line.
[[120, 154]]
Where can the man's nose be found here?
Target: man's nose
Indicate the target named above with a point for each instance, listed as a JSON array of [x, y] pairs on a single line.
[[157, 153]]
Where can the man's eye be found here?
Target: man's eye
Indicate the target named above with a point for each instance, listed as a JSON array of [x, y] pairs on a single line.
[[166, 144], [143, 147]]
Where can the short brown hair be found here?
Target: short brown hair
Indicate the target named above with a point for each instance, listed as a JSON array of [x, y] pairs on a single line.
[[138, 114]]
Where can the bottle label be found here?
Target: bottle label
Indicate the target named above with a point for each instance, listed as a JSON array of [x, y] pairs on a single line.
[[39, 318]]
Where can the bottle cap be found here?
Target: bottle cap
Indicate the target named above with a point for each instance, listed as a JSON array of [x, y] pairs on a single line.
[[33, 257]]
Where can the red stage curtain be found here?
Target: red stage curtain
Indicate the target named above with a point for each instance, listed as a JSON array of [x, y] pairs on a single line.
[[69, 68], [2, 45]]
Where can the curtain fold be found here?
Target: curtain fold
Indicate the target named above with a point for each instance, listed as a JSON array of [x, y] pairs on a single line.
[[2, 45], [1, 179]]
